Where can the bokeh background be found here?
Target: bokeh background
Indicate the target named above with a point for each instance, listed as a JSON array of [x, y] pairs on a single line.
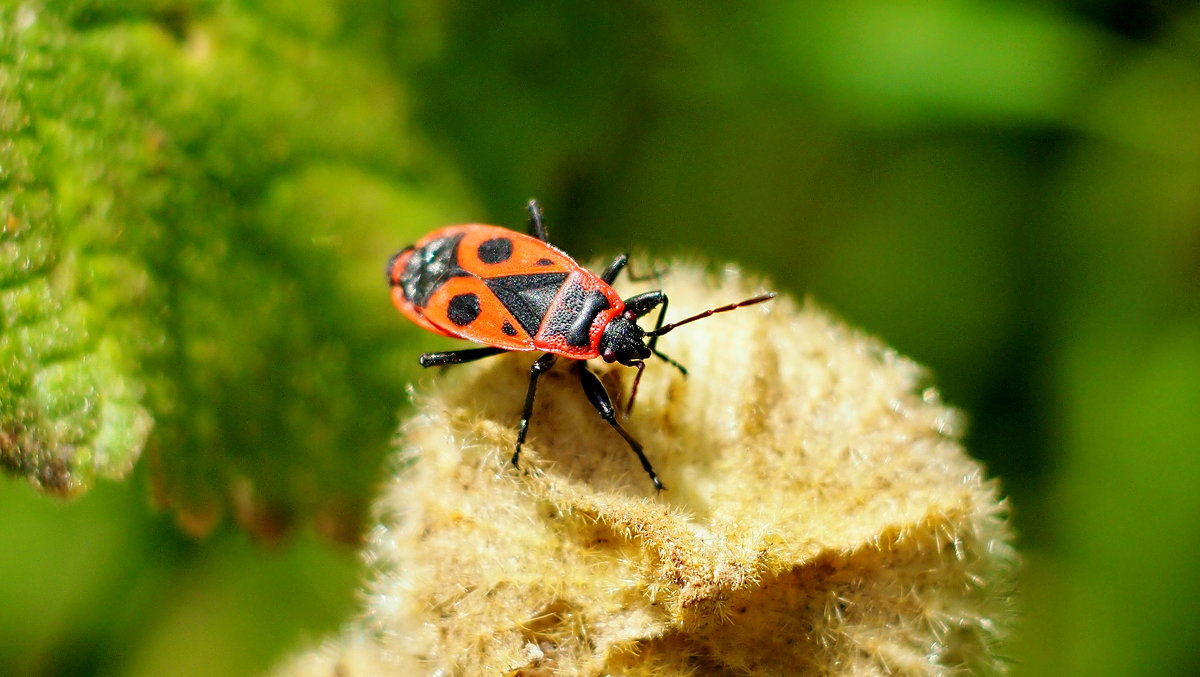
[[1008, 192]]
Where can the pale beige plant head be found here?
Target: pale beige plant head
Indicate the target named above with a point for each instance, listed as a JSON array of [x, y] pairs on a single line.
[[820, 518]]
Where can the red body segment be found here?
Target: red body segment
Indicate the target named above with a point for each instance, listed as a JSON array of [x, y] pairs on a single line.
[[504, 289], [553, 338]]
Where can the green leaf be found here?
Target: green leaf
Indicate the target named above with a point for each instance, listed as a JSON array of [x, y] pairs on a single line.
[[196, 208]]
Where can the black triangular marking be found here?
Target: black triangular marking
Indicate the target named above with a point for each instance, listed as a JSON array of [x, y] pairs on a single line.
[[527, 297]]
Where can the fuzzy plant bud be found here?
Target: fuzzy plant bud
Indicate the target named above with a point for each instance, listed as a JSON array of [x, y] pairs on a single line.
[[820, 516]]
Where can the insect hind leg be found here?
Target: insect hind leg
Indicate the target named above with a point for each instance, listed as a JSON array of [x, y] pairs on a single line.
[[458, 356]]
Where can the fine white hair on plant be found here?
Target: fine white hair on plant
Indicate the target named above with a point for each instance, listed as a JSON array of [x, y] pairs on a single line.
[[821, 517]]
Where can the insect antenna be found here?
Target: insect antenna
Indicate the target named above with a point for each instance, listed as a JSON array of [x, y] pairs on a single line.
[[666, 328], [700, 316]]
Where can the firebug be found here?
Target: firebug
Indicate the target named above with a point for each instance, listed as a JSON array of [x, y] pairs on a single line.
[[516, 292]]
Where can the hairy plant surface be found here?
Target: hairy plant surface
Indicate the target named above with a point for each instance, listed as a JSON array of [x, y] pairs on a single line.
[[820, 517]]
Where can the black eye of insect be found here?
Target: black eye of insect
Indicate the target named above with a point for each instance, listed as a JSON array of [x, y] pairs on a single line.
[[515, 292]]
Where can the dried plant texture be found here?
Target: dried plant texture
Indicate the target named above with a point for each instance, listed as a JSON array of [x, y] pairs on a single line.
[[821, 517]]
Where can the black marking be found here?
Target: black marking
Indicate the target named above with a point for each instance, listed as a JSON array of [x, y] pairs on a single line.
[[580, 333], [391, 275], [527, 297], [429, 267], [463, 309], [496, 250], [508, 329], [574, 317], [543, 262]]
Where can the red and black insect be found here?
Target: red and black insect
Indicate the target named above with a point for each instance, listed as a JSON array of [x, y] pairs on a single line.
[[517, 292]]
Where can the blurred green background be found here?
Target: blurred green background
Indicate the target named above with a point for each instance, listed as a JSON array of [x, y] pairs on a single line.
[[1007, 192]]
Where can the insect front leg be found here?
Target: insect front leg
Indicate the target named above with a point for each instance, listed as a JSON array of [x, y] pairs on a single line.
[[598, 396], [642, 304], [542, 365]]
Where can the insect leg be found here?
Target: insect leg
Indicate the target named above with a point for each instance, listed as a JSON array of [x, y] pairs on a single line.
[[540, 366], [654, 274], [537, 223], [458, 356], [642, 304], [614, 269], [639, 305], [610, 273], [598, 396], [662, 313], [669, 360]]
